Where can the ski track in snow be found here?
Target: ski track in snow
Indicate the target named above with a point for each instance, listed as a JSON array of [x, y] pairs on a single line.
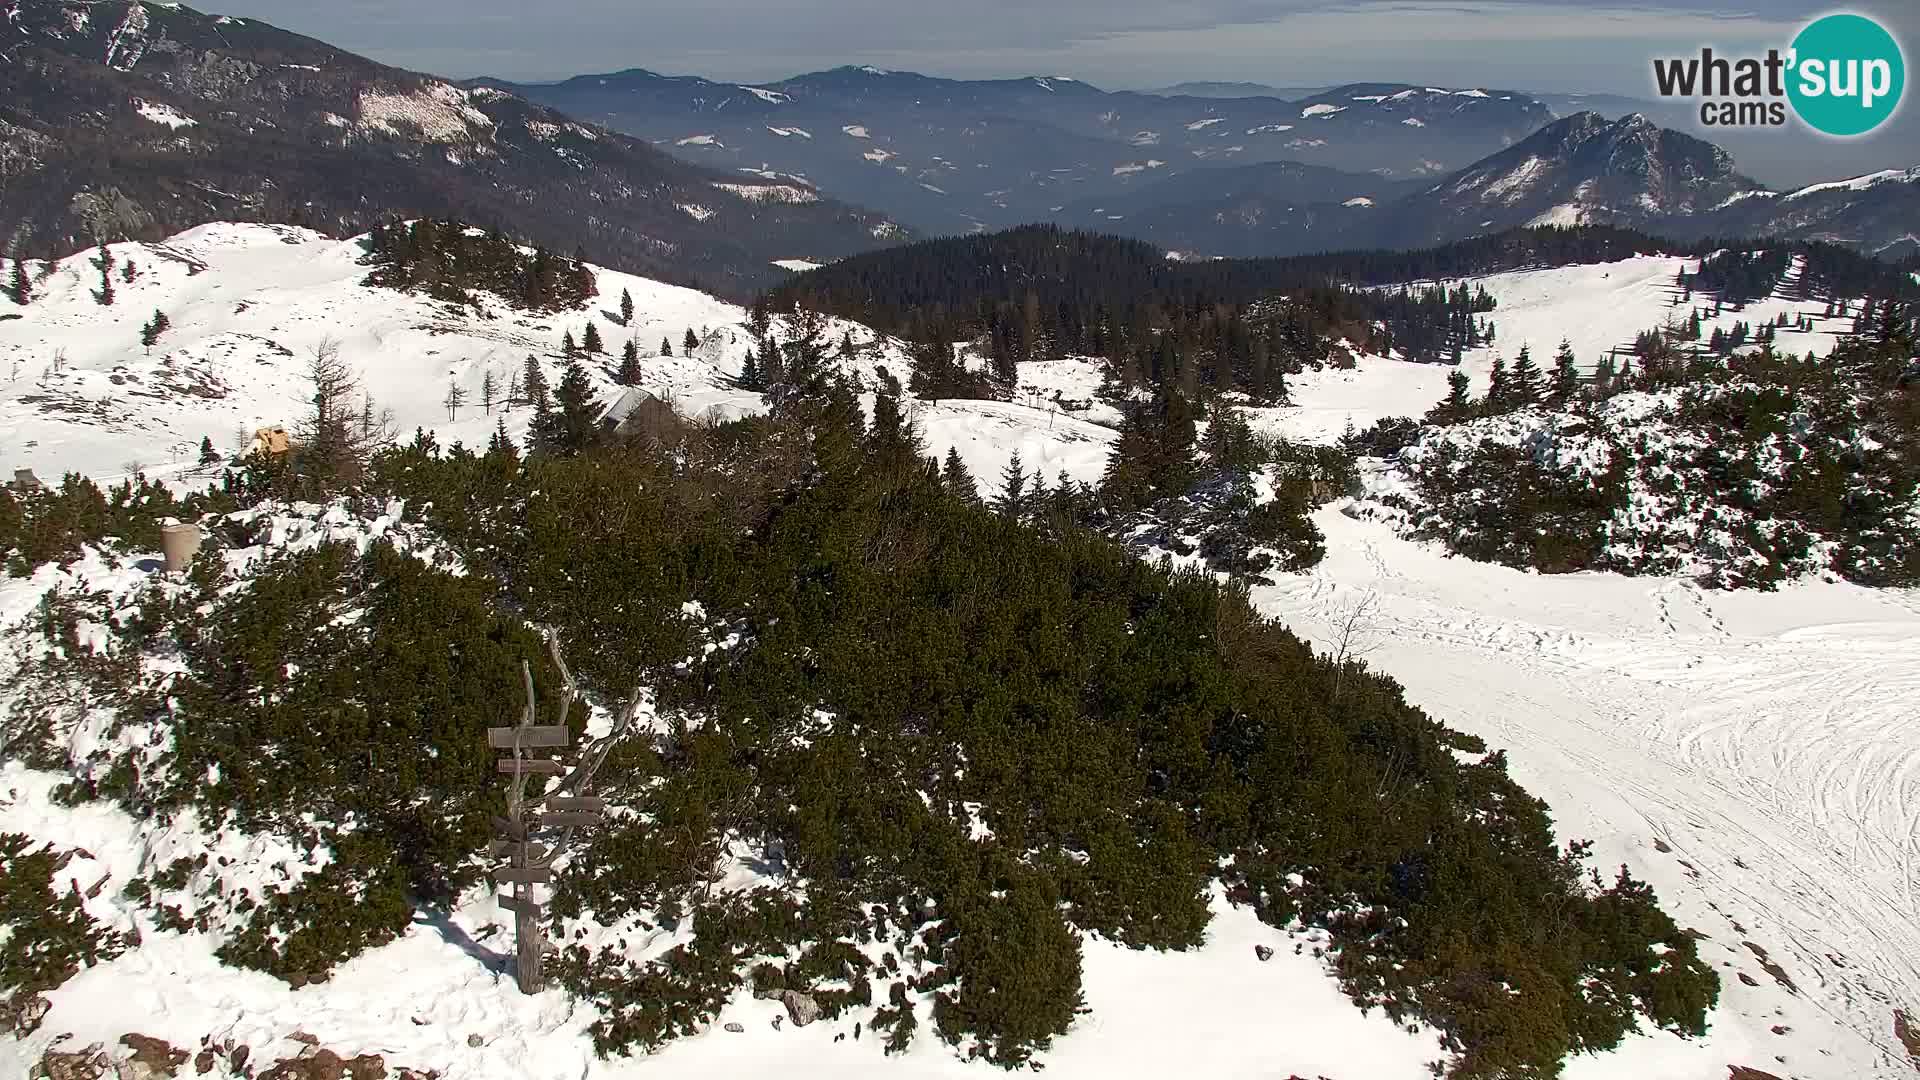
[[1752, 755], [1766, 740]]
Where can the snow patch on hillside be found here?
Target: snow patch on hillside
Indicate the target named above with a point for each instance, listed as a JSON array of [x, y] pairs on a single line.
[[437, 112], [1564, 214], [1322, 110], [1514, 184], [778, 193], [165, 114]]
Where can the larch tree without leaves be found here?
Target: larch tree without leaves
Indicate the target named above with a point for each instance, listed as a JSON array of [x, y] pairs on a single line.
[[342, 428]]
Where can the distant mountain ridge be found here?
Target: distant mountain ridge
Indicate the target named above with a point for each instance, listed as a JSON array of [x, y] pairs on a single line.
[[134, 120], [951, 155], [1582, 169]]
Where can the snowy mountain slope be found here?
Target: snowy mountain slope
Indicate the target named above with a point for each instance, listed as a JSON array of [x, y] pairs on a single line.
[[1875, 212], [1756, 737], [1583, 169], [249, 303], [132, 120]]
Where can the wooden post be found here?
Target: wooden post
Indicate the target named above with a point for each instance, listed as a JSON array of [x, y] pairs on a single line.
[[567, 805]]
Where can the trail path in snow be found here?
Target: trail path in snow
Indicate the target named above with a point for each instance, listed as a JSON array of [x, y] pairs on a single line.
[[1754, 756]]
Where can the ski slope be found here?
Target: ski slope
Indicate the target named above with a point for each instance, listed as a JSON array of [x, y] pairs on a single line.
[[1753, 755]]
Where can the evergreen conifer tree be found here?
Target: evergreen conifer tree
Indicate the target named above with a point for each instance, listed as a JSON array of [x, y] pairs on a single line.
[[22, 289], [689, 344], [489, 390], [759, 320], [208, 455], [106, 276], [572, 425], [1523, 383], [156, 326], [569, 348], [500, 445], [1457, 405], [1013, 490], [1497, 393], [630, 364], [533, 385], [666, 347], [626, 307], [591, 342], [1566, 375], [957, 479], [751, 377]]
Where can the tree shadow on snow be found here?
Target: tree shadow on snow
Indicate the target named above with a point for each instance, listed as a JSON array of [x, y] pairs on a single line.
[[496, 962]]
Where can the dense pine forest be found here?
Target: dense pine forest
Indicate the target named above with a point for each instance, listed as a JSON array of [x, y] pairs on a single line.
[[956, 740], [1042, 292]]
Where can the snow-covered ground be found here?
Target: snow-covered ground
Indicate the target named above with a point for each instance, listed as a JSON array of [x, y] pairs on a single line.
[[249, 303], [1753, 755], [1596, 309], [1600, 308]]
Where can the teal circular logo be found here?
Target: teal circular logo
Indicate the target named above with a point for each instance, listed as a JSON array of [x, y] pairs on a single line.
[[1847, 75]]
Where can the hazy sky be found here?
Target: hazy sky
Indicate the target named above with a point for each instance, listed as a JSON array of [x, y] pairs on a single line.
[[1546, 45], [1534, 45]]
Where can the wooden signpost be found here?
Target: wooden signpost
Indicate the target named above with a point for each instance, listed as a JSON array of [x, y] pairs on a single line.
[[552, 815]]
